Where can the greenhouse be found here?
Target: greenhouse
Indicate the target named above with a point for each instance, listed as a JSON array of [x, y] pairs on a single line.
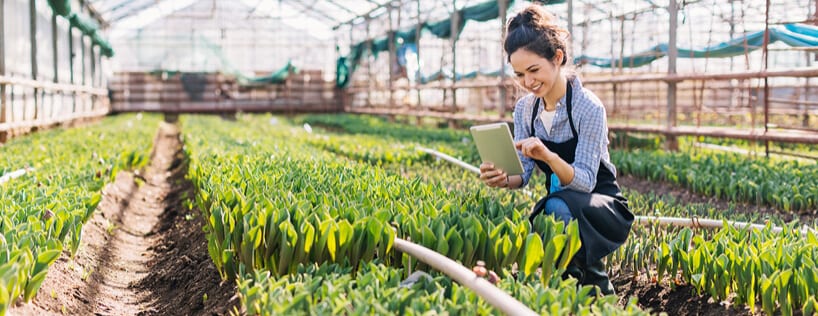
[[408, 157]]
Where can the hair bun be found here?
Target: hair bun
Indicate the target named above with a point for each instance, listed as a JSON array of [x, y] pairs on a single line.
[[536, 30], [536, 17]]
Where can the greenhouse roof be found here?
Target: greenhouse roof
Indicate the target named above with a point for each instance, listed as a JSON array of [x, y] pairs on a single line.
[[320, 14], [324, 16]]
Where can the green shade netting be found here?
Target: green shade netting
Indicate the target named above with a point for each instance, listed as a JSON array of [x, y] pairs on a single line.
[[380, 45], [60, 7], [443, 29], [795, 35], [277, 77], [195, 83], [341, 72], [447, 74], [104, 46], [407, 35], [85, 25], [482, 12], [803, 29]]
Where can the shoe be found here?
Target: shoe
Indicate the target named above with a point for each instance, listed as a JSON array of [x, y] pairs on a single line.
[[595, 274]]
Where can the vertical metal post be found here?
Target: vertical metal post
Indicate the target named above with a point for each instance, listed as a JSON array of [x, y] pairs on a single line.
[[570, 4], [55, 62], [71, 57], [765, 56], [349, 96], [94, 83], [613, 44], [455, 21], [3, 105], [622, 45], [733, 87], [32, 11], [93, 64], [807, 55], [392, 56], [83, 52], [671, 142], [100, 76], [54, 45], [503, 7], [418, 75], [370, 80], [339, 98], [100, 80], [620, 64], [732, 31], [82, 58]]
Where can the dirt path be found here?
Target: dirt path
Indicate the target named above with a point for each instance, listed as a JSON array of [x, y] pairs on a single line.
[[143, 252]]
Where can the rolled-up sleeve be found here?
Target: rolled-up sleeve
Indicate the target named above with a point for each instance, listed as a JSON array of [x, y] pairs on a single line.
[[522, 130], [592, 143]]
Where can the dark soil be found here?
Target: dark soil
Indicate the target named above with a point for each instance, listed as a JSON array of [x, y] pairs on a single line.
[[142, 253], [681, 300]]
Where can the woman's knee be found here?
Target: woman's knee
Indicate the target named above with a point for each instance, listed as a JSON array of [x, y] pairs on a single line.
[[558, 208]]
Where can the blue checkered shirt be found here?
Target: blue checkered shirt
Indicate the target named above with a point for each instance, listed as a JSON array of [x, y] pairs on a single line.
[[592, 130]]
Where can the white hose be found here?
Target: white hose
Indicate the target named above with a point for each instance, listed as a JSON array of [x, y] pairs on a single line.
[[493, 295], [14, 174], [693, 222], [450, 159]]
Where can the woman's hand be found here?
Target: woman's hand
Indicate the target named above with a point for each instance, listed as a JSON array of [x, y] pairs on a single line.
[[533, 147], [493, 177]]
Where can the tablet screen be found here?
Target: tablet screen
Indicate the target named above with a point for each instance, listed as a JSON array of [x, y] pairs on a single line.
[[495, 145]]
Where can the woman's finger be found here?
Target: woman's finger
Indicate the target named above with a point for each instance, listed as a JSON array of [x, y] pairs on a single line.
[[486, 166]]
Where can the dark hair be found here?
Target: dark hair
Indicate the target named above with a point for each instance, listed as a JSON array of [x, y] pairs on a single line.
[[534, 29]]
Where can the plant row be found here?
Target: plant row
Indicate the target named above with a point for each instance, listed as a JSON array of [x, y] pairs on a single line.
[[274, 203], [789, 185], [42, 212], [659, 251]]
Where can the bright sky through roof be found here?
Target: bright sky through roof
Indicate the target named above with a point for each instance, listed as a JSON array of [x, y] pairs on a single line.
[[148, 16], [289, 15]]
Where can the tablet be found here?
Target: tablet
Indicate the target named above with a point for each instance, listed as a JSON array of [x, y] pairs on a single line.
[[495, 145]]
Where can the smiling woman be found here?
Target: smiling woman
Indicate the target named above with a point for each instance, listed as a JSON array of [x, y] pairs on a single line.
[[568, 142]]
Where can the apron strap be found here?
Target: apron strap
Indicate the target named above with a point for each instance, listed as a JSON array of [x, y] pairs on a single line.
[[568, 99]]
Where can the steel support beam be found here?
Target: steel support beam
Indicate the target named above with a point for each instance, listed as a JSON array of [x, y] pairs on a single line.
[[32, 11], [55, 49], [3, 104], [71, 57], [671, 142], [765, 55], [368, 15], [418, 29], [455, 19], [321, 13], [503, 7]]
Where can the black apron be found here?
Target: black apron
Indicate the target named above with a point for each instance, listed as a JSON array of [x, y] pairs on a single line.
[[603, 215]]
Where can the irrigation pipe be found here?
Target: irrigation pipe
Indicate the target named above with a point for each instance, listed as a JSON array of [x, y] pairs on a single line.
[[459, 163], [19, 173], [450, 159], [693, 222], [495, 296]]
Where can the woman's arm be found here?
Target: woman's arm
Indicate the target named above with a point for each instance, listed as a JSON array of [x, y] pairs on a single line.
[[522, 129], [592, 143]]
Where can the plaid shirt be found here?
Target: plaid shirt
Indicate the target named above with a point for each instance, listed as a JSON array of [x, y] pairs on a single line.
[[592, 130]]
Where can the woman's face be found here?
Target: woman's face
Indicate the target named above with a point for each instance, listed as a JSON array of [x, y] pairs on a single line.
[[534, 72]]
